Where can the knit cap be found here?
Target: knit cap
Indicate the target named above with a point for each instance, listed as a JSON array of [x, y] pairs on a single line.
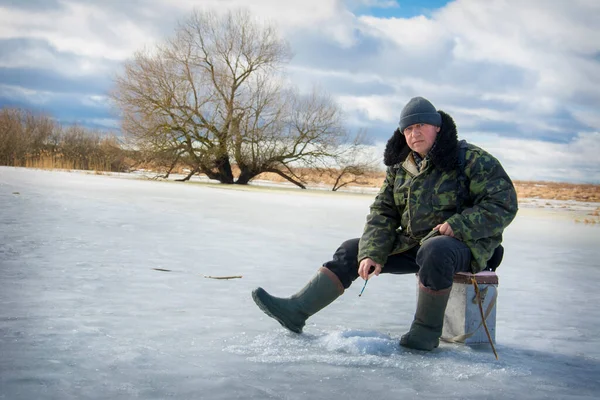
[[419, 111]]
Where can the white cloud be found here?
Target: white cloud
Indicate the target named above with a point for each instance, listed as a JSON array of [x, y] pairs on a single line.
[[591, 118], [95, 101], [19, 94], [83, 29], [552, 39], [413, 36], [39, 55], [329, 17], [377, 108], [361, 77], [528, 159]]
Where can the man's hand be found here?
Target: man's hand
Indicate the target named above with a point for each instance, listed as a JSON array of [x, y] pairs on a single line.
[[365, 266], [445, 229]]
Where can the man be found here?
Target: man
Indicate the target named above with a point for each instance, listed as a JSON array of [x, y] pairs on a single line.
[[415, 225]]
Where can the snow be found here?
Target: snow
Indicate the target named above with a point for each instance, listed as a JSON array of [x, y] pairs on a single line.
[[85, 316]]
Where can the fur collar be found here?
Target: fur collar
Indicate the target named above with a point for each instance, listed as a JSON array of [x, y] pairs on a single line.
[[444, 155]]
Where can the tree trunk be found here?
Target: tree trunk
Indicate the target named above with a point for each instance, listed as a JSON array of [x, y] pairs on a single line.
[[289, 178], [173, 164], [246, 175], [225, 174], [187, 178], [335, 185]]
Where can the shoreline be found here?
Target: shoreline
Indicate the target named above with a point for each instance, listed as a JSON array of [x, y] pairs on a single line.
[[575, 208]]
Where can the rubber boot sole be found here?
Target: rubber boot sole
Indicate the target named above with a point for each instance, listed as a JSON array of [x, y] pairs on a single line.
[[260, 297]]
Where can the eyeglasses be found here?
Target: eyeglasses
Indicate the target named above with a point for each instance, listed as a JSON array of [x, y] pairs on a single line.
[[409, 130]]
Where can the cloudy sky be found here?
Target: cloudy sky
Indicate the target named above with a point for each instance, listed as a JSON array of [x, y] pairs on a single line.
[[520, 77]]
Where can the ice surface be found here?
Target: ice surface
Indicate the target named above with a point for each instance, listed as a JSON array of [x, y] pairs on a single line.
[[83, 314]]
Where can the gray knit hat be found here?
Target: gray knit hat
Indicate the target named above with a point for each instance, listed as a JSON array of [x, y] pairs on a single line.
[[419, 111]]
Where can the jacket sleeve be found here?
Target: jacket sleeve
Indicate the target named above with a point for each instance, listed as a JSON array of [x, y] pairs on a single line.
[[380, 229], [494, 200]]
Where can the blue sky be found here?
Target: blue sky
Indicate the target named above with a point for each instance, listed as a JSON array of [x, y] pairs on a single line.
[[399, 9], [521, 78]]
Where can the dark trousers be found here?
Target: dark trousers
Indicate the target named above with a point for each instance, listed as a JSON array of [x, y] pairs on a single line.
[[436, 262]]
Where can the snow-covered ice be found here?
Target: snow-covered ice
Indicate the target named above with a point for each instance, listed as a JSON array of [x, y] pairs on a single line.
[[84, 315]]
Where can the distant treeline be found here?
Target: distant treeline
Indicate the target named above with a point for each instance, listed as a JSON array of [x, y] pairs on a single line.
[[28, 139], [35, 140]]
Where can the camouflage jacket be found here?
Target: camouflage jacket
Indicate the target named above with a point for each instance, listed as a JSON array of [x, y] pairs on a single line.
[[411, 203]]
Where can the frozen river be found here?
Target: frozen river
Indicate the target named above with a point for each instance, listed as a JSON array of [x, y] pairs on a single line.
[[83, 314]]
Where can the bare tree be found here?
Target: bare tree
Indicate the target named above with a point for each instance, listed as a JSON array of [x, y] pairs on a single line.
[[213, 96], [30, 138], [352, 162], [10, 135], [350, 170], [24, 135]]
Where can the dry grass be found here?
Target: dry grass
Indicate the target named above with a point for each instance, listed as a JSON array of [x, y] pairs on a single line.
[[372, 179], [558, 191], [59, 162], [525, 189]]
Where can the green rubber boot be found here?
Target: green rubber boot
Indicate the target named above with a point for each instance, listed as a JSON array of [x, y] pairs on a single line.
[[293, 312], [426, 329]]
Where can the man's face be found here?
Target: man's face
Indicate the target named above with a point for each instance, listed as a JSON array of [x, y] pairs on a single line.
[[420, 137]]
